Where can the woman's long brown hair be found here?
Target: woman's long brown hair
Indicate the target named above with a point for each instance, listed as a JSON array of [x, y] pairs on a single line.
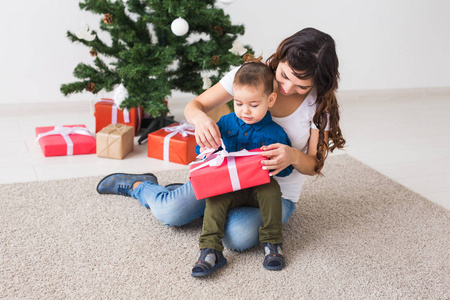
[[312, 55]]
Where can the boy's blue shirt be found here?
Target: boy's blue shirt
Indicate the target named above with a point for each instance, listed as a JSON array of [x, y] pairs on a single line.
[[238, 135]]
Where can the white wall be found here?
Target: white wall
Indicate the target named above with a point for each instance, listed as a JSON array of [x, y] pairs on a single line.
[[381, 44]]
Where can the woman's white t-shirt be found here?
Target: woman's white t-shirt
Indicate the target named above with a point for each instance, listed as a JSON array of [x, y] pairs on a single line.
[[298, 127]]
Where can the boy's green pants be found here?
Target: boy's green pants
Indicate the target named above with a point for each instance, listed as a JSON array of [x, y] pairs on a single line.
[[267, 197]]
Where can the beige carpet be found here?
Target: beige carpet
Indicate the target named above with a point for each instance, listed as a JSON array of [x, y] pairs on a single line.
[[355, 235]]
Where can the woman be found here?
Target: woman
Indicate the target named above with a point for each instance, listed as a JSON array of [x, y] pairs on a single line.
[[306, 70]]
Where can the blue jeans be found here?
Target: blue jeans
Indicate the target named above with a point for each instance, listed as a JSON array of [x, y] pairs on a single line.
[[179, 206]]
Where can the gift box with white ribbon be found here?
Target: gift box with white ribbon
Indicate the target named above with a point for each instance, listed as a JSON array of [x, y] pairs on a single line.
[[65, 140], [108, 112], [175, 143], [224, 172]]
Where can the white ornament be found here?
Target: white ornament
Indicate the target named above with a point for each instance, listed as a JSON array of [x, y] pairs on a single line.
[[206, 82], [179, 27], [238, 48], [85, 33], [226, 2], [120, 94]]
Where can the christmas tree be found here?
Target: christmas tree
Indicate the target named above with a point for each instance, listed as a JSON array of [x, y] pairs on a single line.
[[157, 46]]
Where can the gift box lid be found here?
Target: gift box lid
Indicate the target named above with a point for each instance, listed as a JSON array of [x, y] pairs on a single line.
[[116, 129]]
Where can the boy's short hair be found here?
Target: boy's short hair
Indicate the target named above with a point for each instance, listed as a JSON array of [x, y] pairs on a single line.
[[255, 74]]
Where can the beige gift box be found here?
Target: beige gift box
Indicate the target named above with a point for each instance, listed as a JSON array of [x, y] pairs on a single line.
[[115, 141]]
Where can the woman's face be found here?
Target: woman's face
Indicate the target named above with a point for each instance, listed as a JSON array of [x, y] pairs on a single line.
[[288, 83]]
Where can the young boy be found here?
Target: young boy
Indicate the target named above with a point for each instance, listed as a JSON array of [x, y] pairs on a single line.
[[249, 127]]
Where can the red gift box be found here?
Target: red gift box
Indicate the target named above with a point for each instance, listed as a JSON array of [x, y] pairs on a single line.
[[106, 112], [234, 173], [175, 143], [65, 140]]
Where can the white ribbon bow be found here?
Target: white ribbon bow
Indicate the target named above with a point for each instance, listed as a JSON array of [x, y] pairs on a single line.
[[218, 160], [65, 132], [184, 129]]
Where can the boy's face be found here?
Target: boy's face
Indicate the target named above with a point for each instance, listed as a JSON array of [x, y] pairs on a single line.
[[251, 103]]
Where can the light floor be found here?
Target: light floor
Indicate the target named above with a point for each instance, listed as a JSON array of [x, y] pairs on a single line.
[[404, 134]]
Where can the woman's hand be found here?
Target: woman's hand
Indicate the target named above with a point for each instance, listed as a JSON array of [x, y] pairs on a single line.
[[207, 133], [280, 156]]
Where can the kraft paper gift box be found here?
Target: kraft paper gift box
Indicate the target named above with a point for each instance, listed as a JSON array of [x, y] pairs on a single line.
[[107, 112], [175, 143], [115, 141], [65, 140], [232, 174]]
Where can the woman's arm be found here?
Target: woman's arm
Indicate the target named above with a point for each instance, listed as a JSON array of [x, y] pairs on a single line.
[[207, 133], [282, 156]]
